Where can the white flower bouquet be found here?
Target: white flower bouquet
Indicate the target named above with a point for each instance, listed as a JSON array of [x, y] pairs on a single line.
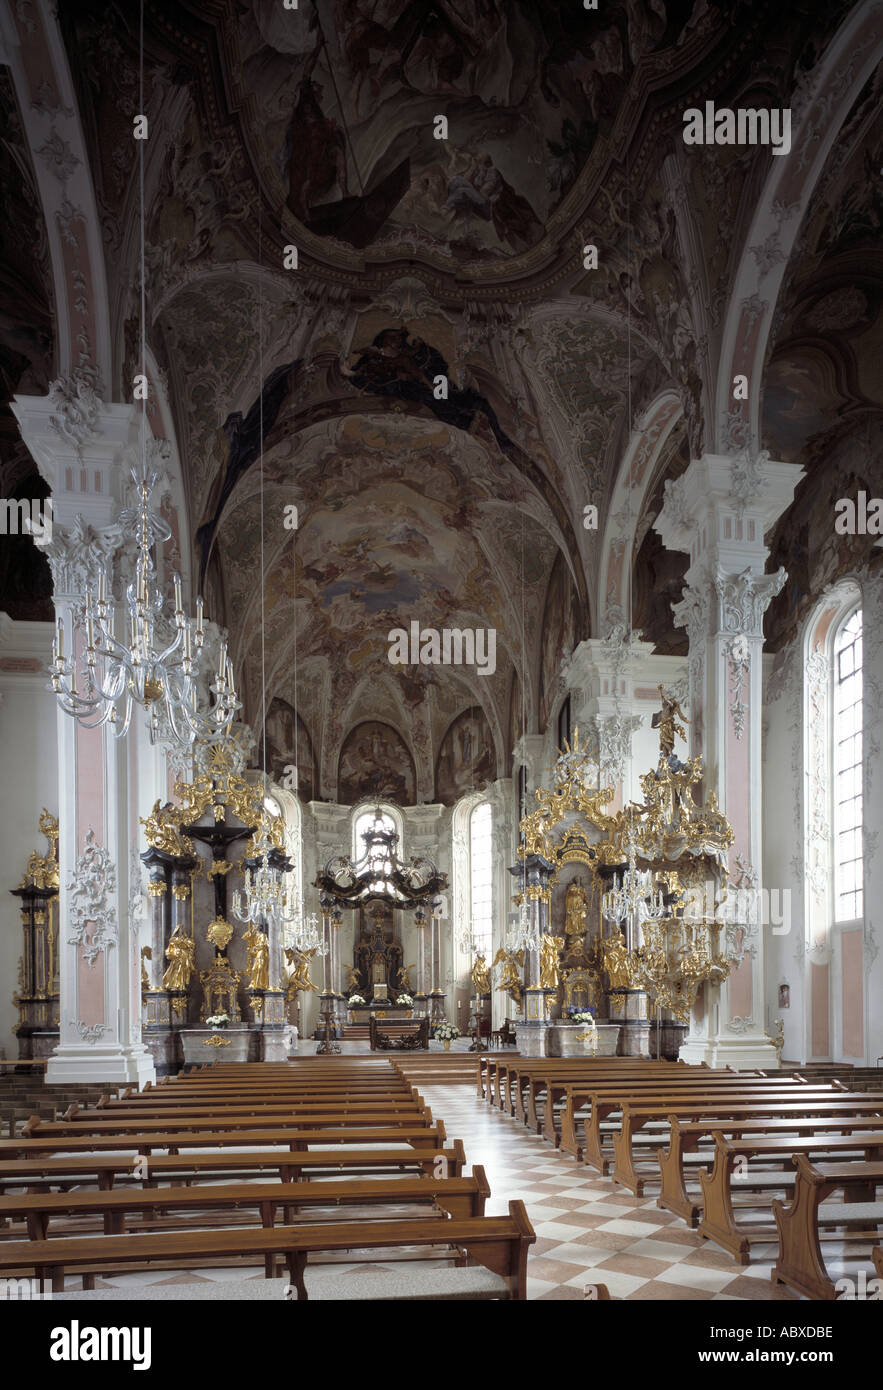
[[405, 1001], [218, 1020], [355, 999], [446, 1032]]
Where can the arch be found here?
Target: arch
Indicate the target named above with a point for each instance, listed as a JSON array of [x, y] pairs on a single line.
[[818, 113], [632, 487], [53, 129], [471, 761]]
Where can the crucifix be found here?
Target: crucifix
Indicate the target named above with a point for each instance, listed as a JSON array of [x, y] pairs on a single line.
[[219, 837]]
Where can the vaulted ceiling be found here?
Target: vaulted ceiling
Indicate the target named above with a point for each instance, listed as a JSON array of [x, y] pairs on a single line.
[[418, 257]]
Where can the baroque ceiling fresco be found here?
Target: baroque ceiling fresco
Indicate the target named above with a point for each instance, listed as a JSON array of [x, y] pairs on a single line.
[[459, 259]]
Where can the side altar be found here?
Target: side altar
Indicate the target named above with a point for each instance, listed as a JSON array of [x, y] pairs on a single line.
[[196, 965], [617, 912]]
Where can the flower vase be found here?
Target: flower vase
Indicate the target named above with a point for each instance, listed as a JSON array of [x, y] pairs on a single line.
[[447, 1044]]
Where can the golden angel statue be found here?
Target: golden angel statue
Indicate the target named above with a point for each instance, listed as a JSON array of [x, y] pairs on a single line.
[[403, 980], [258, 959], [550, 949], [510, 981], [481, 975], [576, 907], [180, 953], [616, 961], [665, 720], [300, 976], [146, 954]]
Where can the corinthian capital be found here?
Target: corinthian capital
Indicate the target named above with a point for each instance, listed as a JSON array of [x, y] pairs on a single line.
[[78, 552], [744, 598], [76, 406], [692, 612]]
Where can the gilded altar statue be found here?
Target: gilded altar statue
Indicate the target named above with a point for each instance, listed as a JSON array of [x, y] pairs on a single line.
[[180, 953], [576, 907], [550, 949], [481, 975], [300, 975], [665, 720], [354, 983], [403, 980], [146, 954], [616, 961], [258, 959], [510, 981]]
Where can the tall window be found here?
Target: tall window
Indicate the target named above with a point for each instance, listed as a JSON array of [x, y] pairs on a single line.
[[366, 821], [847, 751], [481, 857]]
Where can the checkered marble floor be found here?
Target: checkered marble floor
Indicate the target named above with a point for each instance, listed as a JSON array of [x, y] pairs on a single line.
[[589, 1232]]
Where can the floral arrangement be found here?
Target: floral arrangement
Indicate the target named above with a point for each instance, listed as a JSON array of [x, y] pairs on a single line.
[[405, 1001], [576, 1014], [446, 1032], [218, 1020], [355, 999]]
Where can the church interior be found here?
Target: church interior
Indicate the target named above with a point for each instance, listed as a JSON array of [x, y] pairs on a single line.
[[441, 651]]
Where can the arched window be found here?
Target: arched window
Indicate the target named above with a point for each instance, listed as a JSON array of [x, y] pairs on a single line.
[[846, 711], [481, 865], [375, 817]]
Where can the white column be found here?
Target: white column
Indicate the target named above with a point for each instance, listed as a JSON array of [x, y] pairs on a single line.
[[84, 458], [719, 512]]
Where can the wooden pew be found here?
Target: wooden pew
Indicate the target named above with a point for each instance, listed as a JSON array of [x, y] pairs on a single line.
[[500, 1243], [718, 1216], [104, 1169], [652, 1104], [686, 1136], [877, 1253], [428, 1137], [800, 1264], [183, 1123], [736, 1105], [578, 1096], [460, 1197], [243, 1106]]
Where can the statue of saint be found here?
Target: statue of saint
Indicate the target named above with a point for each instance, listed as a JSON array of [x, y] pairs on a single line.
[[576, 907], [353, 984], [510, 981], [616, 961], [550, 949], [665, 720], [300, 976], [481, 975], [180, 953], [258, 959]]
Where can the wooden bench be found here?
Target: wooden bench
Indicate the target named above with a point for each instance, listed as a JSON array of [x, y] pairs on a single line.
[[294, 1139], [180, 1124], [800, 1264], [718, 1221], [686, 1136], [460, 1197], [500, 1243], [738, 1104], [104, 1169]]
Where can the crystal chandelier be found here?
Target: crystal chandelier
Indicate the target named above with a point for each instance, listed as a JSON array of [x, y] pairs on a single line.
[[264, 901], [102, 675], [523, 932], [632, 895]]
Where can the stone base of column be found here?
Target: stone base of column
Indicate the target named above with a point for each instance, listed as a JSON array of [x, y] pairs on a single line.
[[274, 1044], [437, 1006], [634, 1038], [741, 1053], [125, 1066], [421, 1004]]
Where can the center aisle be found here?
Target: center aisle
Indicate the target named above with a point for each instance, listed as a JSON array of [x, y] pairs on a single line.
[[587, 1232]]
